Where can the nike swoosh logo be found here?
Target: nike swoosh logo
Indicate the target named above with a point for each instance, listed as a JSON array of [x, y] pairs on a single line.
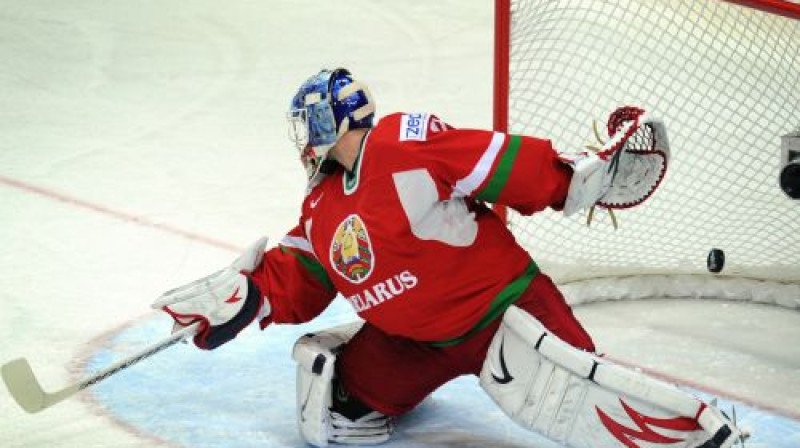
[[507, 378], [234, 297], [314, 202], [305, 403]]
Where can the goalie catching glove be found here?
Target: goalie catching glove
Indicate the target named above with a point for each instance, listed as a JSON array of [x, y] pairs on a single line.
[[626, 170], [224, 302]]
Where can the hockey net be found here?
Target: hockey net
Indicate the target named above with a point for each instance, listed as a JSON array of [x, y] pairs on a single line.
[[724, 77]]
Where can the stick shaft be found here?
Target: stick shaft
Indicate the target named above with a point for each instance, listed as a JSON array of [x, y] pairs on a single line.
[[144, 353], [28, 393]]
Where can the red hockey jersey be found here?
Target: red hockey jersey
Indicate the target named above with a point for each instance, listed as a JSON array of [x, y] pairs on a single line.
[[406, 238]]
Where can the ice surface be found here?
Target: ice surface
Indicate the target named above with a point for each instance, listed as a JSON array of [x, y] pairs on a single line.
[[242, 395], [135, 137]]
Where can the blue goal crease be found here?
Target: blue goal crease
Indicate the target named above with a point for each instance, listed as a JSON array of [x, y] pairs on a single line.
[[243, 395]]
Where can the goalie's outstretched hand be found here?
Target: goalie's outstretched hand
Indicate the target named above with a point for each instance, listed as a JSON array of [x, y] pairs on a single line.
[[224, 302]]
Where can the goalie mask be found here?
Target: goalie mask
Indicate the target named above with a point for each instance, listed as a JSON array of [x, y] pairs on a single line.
[[326, 106]]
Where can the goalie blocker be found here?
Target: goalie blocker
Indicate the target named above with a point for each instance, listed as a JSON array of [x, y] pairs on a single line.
[[583, 401]]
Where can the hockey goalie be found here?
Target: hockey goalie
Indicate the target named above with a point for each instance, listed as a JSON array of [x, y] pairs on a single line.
[[394, 220]]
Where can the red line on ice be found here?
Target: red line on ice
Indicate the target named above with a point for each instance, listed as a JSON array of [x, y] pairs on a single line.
[[709, 389], [123, 216]]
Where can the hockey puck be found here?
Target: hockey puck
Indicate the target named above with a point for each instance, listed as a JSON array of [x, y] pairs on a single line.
[[790, 179], [716, 260]]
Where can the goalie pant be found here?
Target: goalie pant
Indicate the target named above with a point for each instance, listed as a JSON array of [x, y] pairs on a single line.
[[393, 374]]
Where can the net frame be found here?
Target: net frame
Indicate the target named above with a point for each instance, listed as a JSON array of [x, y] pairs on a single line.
[[591, 279]]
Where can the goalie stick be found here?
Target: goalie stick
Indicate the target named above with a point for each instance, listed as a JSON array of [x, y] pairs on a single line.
[[28, 393]]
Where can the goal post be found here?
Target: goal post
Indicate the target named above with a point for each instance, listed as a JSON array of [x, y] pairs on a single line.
[[780, 7], [724, 76]]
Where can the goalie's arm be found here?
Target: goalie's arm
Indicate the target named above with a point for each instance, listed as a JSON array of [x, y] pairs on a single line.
[[521, 172], [294, 281], [528, 175]]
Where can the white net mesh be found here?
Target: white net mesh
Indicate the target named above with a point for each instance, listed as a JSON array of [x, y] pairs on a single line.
[[726, 81]]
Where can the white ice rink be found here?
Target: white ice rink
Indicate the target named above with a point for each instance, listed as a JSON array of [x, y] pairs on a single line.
[[142, 143]]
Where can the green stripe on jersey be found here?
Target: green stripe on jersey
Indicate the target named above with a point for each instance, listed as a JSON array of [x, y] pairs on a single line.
[[499, 178], [313, 266], [499, 305]]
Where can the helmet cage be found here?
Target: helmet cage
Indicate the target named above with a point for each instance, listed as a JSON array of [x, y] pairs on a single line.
[[313, 131]]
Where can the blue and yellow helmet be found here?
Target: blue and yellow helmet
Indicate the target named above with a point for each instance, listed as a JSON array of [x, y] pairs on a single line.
[[326, 106]]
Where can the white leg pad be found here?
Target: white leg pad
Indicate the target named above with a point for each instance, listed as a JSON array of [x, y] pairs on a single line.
[[584, 401], [315, 354]]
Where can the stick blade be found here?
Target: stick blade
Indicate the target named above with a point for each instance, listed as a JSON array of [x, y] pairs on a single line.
[[23, 386]]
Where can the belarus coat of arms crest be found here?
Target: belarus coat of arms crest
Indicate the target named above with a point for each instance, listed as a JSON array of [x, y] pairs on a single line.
[[351, 251]]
